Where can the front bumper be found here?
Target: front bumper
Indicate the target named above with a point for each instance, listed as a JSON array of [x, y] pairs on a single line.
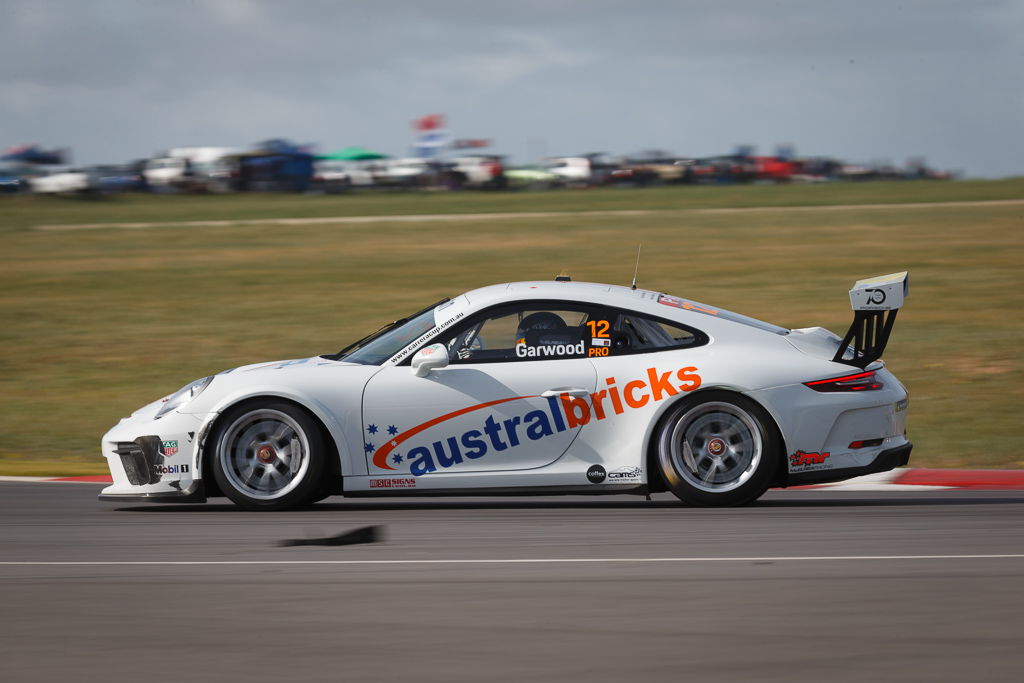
[[195, 493], [154, 460]]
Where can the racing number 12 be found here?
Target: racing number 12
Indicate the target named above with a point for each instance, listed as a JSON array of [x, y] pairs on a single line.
[[598, 328]]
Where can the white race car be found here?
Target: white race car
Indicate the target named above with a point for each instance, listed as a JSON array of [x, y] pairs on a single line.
[[535, 388]]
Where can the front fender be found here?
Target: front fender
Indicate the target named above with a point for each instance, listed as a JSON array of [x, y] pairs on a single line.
[[337, 425]]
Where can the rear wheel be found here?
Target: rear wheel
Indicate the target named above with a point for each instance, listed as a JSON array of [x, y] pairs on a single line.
[[269, 456], [718, 449]]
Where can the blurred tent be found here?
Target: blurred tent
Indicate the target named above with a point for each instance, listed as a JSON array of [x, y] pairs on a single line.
[[33, 154], [274, 166], [352, 154]]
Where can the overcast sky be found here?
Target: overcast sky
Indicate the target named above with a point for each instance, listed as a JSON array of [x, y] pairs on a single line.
[[862, 80]]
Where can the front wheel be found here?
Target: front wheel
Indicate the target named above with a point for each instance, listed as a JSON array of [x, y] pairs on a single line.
[[269, 456], [718, 449]]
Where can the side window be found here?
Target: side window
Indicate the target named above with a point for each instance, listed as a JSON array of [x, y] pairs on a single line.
[[527, 332], [635, 333]]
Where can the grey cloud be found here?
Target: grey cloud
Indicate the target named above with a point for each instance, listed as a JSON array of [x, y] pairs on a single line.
[[119, 79]]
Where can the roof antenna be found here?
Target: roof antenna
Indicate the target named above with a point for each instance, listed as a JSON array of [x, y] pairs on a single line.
[[637, 268]]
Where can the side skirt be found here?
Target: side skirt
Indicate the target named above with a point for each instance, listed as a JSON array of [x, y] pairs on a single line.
[[584, 490]]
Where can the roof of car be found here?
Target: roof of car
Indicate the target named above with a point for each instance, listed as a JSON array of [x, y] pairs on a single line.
[[640, 300], [550, 289]]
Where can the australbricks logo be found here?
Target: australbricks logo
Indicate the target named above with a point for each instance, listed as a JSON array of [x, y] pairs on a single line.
[[561, 413]]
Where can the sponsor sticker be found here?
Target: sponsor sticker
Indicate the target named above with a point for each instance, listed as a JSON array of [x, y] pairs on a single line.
[[171, 469], [597, 341], [596, 474], [551, 350], [624, 474], [393, 483], [806, 460], [676, 302], [540, 420], [424, 337], [168, 448]]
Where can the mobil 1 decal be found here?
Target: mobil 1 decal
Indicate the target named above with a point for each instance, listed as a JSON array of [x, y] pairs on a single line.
[[434, 446]]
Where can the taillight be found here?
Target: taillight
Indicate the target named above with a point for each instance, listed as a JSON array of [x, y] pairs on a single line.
[[862, 381]]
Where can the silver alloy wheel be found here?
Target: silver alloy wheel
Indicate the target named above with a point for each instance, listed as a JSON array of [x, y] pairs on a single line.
[[264, 453], [715, 446]]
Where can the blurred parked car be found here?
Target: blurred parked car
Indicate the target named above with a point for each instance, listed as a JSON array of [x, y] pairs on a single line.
[[587, 170], [532, 178], [10, 183], [483, 171], [722, 169], [117, 178], [648, 168], [195, 169], [404, 173], [331, 176], [62, 181]]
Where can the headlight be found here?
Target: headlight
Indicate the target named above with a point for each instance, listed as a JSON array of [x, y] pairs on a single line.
[[183, 396]]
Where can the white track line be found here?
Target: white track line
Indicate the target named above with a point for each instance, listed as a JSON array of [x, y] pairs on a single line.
[[558, 560], [422, 218], [320, 220]]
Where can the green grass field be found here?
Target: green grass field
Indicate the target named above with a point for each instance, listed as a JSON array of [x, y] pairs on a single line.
[[97, 322]]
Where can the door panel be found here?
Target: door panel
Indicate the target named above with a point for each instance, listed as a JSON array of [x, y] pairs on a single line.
[[472, 417]]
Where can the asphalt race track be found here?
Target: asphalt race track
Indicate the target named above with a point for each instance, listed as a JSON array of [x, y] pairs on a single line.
[[802, 586]]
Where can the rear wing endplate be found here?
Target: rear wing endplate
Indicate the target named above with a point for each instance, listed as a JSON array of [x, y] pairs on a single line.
[[875, 302]]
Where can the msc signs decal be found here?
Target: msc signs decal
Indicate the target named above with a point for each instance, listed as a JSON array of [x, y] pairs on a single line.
[[393, 483], [496, 435]]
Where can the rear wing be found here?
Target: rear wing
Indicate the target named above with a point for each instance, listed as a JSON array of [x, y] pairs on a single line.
[[875, 302]]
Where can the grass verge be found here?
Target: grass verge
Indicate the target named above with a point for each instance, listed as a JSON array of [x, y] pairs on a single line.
[[99, 322]]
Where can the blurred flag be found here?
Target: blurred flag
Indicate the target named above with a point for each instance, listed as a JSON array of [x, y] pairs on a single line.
[[428, 123], [431, 135]]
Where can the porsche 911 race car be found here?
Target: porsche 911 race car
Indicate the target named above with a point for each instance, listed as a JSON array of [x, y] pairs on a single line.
[[535, 388]]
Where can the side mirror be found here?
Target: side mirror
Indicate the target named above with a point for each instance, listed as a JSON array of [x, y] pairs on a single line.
[[429, 358]]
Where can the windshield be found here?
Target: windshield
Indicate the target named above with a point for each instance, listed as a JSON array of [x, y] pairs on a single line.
[[390, 339]]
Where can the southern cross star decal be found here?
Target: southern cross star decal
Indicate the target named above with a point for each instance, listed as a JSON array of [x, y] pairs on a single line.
[[396, 458], [368, 447], [392, 430], [372, 429]]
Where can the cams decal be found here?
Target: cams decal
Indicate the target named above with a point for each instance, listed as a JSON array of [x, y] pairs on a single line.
[[494, 436], [624, 475]]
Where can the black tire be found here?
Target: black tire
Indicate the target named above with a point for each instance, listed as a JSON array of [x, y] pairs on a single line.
[[718, 449], [269, 455]]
